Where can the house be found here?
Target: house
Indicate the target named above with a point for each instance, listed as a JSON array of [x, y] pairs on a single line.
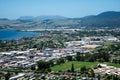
[[102, 65], [110, 38], [20, 76], [75, 43], [48, 52]]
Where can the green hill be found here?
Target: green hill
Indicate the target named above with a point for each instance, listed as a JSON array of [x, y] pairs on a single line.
[[105, 19]]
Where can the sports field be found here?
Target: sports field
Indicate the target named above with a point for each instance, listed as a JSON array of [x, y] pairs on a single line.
[[78, 65]]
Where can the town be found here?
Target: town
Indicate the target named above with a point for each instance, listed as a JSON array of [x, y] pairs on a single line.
[[26, 64], [59, 39]]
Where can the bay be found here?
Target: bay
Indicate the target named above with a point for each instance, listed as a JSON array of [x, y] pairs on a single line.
[[16, 35]]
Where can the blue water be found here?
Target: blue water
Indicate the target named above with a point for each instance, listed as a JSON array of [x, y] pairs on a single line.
[[15, 35]]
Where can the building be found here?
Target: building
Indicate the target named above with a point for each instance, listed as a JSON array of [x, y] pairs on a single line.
[[20, 76]]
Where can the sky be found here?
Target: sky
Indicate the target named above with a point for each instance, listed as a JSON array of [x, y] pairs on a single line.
[[13, 9]]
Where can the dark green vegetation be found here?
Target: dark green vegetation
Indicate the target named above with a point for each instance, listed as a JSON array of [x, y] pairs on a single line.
[[72, 68], [7, 76], [113, 50], [107, 19], [111, 77], [43, 66]]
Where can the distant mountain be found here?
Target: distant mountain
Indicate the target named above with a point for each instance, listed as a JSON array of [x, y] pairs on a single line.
[[105, 19], [110, 19], [26, 17], [44, 17], [110, 14]]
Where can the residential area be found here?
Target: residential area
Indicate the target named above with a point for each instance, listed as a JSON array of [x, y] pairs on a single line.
[[19, 63]]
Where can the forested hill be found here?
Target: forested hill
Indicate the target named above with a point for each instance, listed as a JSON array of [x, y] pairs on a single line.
[[110, 19], [105, 19]]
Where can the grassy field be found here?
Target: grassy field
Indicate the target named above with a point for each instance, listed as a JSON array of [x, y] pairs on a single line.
[[78, 65], [113, 64]]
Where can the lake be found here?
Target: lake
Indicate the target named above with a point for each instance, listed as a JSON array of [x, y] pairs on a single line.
[[15, 35]]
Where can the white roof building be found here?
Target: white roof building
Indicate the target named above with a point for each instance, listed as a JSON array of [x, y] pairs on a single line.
[[20, 76]]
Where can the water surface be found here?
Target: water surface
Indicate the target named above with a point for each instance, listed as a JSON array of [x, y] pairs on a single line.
[[15, 35]]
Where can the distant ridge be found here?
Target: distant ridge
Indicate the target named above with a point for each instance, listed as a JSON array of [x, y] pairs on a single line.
[[43, 17], [109, 19], [109, 14]]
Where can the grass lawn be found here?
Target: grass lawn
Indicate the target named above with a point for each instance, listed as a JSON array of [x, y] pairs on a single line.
[[113, 64], [78, 65]]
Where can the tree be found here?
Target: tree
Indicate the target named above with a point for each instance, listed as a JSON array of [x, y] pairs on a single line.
[[7, 76], [17, 70], [78, 56], [33, 67], [91, 58], [51, 63], [61, 60], [43, 65], [69, 58], [72, 68], [83, 69]]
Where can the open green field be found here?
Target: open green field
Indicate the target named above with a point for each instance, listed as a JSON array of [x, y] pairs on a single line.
[[113, 64], [78, 65]]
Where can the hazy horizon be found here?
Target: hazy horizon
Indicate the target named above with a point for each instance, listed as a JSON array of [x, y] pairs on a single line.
[[13, 9]]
